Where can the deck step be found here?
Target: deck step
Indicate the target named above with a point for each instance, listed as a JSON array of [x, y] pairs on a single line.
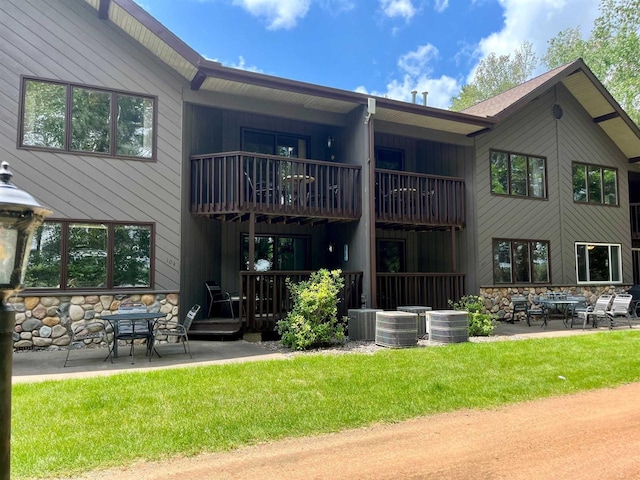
[[215, 326]]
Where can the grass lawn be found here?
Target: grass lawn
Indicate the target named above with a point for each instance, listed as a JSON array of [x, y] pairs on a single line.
[[71, 426]]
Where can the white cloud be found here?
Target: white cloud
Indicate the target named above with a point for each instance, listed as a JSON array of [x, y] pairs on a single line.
[[417, 76], [242, 65], [441, 5], [440, 90], [537, 22], [277, 13], [398, 8], [415, 62]]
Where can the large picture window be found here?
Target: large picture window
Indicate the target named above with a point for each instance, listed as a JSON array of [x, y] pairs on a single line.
[[391, 255], [90, 255], [594, 184], [518, 175], [598, 263], [520, 261], [275, 252], [75, 118]]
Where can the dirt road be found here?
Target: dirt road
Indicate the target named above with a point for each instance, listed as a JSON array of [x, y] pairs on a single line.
[[594, 435]]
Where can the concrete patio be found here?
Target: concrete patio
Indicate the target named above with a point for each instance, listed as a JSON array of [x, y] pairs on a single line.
[[37, 366]]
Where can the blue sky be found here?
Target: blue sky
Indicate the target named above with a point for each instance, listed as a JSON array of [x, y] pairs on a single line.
[[380, 47]]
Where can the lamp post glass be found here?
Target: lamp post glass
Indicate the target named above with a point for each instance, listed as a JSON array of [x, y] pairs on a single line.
[[20, 216]]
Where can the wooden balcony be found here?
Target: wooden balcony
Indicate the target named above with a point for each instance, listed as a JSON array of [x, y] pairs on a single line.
[[416, 201], [272, 300], [229, 186], [634, 209], [427, 289]]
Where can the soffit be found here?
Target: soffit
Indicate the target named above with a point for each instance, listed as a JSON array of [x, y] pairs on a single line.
[[141, 33], [596, 103], [260, 92], [427, 121]]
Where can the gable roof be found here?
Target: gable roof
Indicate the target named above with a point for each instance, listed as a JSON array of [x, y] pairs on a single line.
[[586, 88], [208, 75]]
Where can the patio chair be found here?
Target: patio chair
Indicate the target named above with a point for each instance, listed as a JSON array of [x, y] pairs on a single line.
[[537, 309], [520, 305], [575, 309], [83, 334], [620, 308], [132, 330], [596, 311], [218, 297], [171, 328]]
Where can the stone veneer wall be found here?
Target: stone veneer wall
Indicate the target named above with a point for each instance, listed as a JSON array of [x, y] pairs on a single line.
[[38, 325], [497, 301]]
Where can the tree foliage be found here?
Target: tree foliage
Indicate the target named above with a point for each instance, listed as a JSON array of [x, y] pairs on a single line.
[[496, 74], [612, 51]]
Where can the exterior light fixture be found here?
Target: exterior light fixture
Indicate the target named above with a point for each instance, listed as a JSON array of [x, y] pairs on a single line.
[[330, 141], [20, 216]]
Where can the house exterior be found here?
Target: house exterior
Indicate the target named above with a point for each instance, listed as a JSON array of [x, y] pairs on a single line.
[[166, 170]]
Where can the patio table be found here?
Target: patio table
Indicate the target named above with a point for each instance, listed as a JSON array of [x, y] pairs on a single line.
[[140, 327], [560, 305]]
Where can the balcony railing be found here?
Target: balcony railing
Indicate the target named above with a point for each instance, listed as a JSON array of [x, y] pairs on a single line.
[[427, 289], [234, 183], [271, 299], [417, 199], [634, 208]]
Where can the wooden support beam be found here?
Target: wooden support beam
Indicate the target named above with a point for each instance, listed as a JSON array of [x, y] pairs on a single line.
[[604, 118], [103, 9]]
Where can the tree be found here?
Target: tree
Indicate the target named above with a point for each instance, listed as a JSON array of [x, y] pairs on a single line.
[[612, 51], [496, 74]]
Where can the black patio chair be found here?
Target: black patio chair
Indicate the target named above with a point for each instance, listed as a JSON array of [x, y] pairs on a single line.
[[219, 298], [83, 334], [171, 328]]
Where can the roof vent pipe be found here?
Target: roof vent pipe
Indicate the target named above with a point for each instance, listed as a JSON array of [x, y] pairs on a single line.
[[424, 98], [413, 95]]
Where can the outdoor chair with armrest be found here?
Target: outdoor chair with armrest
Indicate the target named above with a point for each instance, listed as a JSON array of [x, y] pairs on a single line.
[[620, 308], [83, 334], [172, 328], [575, 309], [520, 305], [537, 309], [131, 329], [597, 311], [218, 297]]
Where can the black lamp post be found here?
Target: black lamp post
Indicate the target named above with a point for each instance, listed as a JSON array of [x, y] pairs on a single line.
[[20, 216]]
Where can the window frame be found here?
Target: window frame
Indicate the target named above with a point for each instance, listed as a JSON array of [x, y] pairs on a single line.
[[64, 256], [587, 200], [68, 117], [598, 282], [276, 134], [528, 158], [512, 248], [402, 250], [391, 151]]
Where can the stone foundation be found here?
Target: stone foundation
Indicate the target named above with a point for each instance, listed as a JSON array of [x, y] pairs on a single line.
[[497, 301], [39, 327]]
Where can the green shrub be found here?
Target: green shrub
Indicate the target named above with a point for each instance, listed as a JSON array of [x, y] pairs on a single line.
[[313, 320], [480, 324]]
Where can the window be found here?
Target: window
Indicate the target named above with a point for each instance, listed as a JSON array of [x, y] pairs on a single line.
[[88, 255], [272, 143], [73, 118], [391, 256], [598, 263], [277, 253], [593, 184], [520, 261], [518, 175], [389, 158]]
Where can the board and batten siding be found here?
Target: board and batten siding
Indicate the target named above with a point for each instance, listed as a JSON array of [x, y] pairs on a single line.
[[557, 219], [64, 40]]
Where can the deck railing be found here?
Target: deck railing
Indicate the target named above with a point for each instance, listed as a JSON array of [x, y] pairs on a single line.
[[241, 182], [427, 289], [634, 208], [271, 299], [405, 197]]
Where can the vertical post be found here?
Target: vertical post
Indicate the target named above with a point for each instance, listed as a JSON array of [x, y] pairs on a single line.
[[454, 259], [372, 217], [7, 323]]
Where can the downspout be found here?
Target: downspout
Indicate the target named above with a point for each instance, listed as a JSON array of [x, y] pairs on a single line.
[[372, 211]]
